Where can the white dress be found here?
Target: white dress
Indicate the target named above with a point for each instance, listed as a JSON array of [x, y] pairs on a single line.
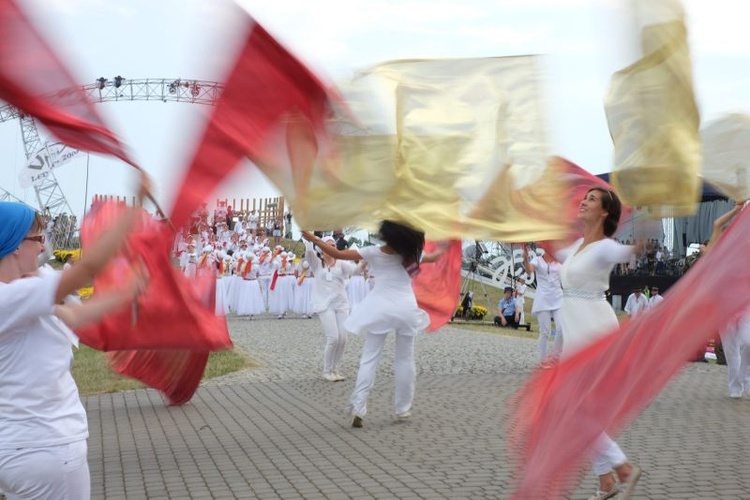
[[391, 305], [303, 293], [281, 298], [585, 313], [249, 301], [548, 296], [357, 287]]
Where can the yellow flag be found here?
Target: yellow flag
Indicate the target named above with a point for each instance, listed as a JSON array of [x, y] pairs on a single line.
[[654, 120], [726, 155], [455, 147]]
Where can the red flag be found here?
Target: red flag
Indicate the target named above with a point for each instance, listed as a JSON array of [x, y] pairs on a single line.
[[33, 79], [578, 181], [174, 373], [170, 315], [438, 285], [559, 414], [267, 92]]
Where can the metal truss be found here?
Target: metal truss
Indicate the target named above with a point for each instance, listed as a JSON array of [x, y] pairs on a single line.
[[50, 197], [148, 89]]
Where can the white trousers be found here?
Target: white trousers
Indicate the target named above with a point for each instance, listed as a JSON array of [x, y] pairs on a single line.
[[55, 472], [545, 329], [403, 365], [736, 343], [608, 455], [336, 336]]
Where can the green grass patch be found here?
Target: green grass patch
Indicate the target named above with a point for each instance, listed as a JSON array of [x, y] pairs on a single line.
[[93, 376]]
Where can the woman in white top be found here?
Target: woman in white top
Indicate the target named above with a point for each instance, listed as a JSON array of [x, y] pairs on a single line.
[[585, 315], [547, 302], [390, 307], [330, 302], [43, 426]]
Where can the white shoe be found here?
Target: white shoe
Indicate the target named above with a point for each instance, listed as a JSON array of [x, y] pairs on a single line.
[[404, 416], [330, 377], [339, 377], [280, 316]]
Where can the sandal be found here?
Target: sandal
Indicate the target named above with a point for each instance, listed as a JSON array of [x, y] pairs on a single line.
[[603, 495], [630, 484]]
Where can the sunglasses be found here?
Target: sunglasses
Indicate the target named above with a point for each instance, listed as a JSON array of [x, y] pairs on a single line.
[[39, 238]]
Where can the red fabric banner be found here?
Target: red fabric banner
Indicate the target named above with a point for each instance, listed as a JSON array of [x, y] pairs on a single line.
[[176, 374], [438, 285], [171, 314], [558, 414], [267, 91], [164, 340], [33, 79]]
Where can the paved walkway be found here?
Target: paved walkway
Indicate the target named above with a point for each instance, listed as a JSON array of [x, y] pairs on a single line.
[[281, 431]]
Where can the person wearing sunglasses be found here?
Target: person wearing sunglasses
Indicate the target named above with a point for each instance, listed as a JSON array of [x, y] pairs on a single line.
[[43, 425]]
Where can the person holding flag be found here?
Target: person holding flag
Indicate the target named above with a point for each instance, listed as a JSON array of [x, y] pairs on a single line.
[[43, 426], [586, 316]]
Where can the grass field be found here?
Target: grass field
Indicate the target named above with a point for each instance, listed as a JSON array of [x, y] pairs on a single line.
[[93, 376]]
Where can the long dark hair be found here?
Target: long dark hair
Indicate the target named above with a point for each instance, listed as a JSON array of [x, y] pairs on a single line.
[[407, 242], [613, 206]]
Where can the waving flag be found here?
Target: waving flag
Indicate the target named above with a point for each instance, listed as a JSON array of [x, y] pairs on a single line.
[[726, 155], [270, 98], [455, 147], [653, 117], [164, 339], [438, 285], [33, 79], [559, 414]]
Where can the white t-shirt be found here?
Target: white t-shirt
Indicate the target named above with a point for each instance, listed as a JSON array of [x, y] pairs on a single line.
[[636, 304], [39, 402]]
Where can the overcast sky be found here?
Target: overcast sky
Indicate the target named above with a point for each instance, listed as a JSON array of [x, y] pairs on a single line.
[[584, 42]]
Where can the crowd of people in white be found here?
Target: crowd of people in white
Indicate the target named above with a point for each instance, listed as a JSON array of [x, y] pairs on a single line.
[[254, 276]]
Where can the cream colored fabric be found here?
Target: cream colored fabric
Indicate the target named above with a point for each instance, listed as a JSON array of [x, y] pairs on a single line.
[[653, 117], [455, 147], [726, 155]]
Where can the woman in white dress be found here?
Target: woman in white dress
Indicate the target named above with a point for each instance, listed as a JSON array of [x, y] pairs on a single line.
[[249, 299], [547, 302], [303, 293], [586, 316], [735, 338], [281, 296], [390, 307], [329, 301]]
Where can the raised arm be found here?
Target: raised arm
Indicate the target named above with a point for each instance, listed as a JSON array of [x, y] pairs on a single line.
[[434, 256], [527, 266], [720, 223], [331, 250]]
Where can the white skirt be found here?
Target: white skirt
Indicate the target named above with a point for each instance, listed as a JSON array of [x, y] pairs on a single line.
[[302, 296], [232, 291], [281, 298], [222, 296], [249, 298]]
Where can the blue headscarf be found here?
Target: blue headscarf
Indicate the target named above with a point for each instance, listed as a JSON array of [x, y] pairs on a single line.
[[15, 222]]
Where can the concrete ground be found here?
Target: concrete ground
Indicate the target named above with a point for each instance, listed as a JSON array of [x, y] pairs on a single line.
[[281, 431]]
